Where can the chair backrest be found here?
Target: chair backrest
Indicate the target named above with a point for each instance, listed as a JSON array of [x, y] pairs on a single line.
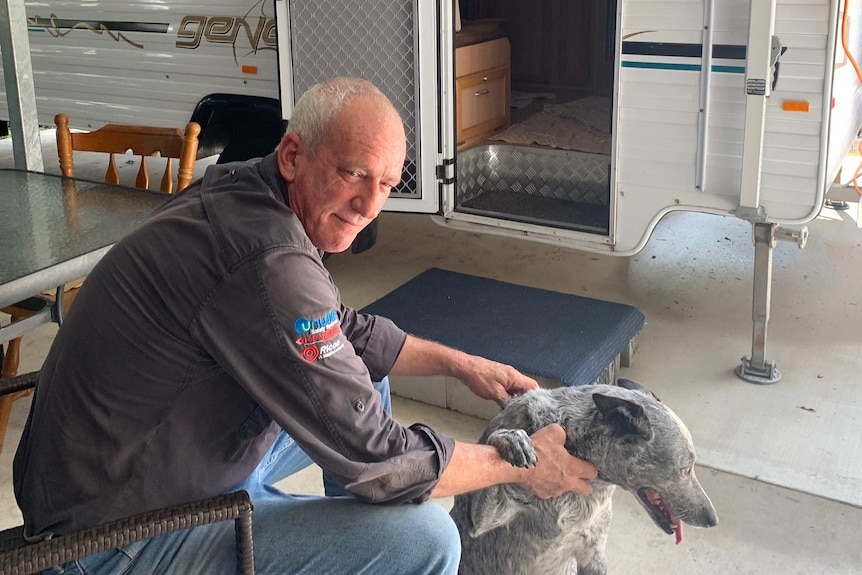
[[141, 140]]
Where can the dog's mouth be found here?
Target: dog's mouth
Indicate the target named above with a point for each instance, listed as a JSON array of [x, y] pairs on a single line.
[[661, 512]]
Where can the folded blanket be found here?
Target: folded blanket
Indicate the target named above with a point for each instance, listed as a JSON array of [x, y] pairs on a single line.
[[582, 125]]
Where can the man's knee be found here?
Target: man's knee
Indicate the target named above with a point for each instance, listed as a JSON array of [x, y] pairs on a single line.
[[439, 536]]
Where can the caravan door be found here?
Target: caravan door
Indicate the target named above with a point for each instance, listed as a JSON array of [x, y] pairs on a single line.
[[392, 44], [673, 114]]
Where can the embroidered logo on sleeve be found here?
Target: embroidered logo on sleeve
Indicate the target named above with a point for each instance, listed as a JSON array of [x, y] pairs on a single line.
[[318, 337]]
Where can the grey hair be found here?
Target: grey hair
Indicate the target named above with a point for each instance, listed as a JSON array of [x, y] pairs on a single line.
[[320, 105]]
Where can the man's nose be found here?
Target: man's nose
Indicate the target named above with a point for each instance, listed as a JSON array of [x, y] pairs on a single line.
[[370, 202]]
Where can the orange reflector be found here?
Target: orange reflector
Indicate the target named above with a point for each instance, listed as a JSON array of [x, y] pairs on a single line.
[[249, 69], [795, 106]]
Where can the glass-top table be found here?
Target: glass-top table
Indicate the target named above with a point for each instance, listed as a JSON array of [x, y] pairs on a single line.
[[55, 229]]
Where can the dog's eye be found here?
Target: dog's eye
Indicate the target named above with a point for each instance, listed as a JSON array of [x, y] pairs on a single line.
[[686, 471]]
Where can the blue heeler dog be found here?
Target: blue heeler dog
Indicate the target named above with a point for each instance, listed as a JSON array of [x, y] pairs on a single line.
[[634, 441]]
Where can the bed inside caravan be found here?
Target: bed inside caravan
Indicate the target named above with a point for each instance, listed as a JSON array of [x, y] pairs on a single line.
[[533, 84]]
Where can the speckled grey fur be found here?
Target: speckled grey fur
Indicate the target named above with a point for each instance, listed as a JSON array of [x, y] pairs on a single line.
[[634, 441]]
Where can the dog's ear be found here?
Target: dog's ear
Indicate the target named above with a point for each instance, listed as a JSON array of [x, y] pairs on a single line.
[[635, 386], [626, 416]]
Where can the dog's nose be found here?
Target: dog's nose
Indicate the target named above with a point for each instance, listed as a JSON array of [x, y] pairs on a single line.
[[706, 518]]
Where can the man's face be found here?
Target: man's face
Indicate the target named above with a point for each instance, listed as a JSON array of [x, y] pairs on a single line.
[[341, 188]]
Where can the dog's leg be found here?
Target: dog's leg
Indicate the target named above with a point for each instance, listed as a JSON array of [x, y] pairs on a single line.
[[515, 446], [496, 506], [590, 555], [490, 508]]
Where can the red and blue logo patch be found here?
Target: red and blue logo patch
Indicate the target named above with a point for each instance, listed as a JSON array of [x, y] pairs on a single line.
[[318, 337]]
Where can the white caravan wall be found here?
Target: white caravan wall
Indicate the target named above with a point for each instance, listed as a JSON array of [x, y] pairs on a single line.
[[847, 112], [146, 62], [793, 145], [659, 101]]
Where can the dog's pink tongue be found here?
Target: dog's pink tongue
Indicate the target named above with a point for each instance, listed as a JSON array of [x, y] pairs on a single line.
[[678, 532]]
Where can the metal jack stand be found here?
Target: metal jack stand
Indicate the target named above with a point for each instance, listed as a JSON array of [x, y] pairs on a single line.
[[757, 369]]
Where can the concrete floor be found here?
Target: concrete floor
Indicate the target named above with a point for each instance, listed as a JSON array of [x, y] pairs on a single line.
[[782, 463]]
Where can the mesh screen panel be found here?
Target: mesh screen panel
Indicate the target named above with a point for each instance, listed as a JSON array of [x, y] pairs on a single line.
[[358, 38]]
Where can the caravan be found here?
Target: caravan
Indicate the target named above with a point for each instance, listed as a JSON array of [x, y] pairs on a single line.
[[582, 123], [643, 107]]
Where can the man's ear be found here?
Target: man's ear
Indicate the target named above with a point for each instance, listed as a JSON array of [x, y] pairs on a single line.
[[290, 146]]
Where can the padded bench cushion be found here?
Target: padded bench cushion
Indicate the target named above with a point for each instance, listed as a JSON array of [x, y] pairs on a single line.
[[564, 337]]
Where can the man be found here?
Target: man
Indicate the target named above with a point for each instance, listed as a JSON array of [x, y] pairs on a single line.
[[209, 351]]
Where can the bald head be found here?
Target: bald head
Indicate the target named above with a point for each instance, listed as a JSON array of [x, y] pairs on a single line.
[[323, 103]]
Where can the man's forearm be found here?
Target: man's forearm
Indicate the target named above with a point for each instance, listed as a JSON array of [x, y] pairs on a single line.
[[423, 357], [473, 467]]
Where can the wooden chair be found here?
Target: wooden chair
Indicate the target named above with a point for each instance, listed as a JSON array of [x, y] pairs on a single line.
[[112, 139], [143, 141], [18, 557]]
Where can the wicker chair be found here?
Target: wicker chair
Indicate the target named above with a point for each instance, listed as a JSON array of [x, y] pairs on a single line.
[[17, 557]]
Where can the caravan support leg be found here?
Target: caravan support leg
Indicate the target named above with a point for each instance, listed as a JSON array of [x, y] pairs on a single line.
[[757, 369]]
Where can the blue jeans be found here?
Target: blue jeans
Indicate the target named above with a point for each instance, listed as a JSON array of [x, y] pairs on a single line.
[[336, 534]]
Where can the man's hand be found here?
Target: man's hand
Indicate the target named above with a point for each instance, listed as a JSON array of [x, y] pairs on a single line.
[[487, 379], [556, 471], [477, 466], [495, 381]]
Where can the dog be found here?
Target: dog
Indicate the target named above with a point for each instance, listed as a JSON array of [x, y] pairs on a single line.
[[635, 442]]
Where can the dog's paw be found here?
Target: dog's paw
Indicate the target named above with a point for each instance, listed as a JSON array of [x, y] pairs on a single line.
[[515, 446]]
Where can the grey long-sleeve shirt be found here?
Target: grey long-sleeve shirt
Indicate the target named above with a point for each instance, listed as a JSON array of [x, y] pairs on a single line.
[[195, 338]]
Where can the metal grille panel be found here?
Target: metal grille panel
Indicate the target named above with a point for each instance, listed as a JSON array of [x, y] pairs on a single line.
[[541, 186], [559, 174], [357, 38]]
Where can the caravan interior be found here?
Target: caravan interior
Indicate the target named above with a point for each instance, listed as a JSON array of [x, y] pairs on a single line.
[[533, 87]]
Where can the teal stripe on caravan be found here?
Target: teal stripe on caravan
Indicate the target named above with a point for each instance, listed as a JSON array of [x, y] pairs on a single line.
[[686, 67], [729, 69]]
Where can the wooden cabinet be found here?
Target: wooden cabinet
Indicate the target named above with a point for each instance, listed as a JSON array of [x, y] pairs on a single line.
[[551, 39], [482, 86]]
